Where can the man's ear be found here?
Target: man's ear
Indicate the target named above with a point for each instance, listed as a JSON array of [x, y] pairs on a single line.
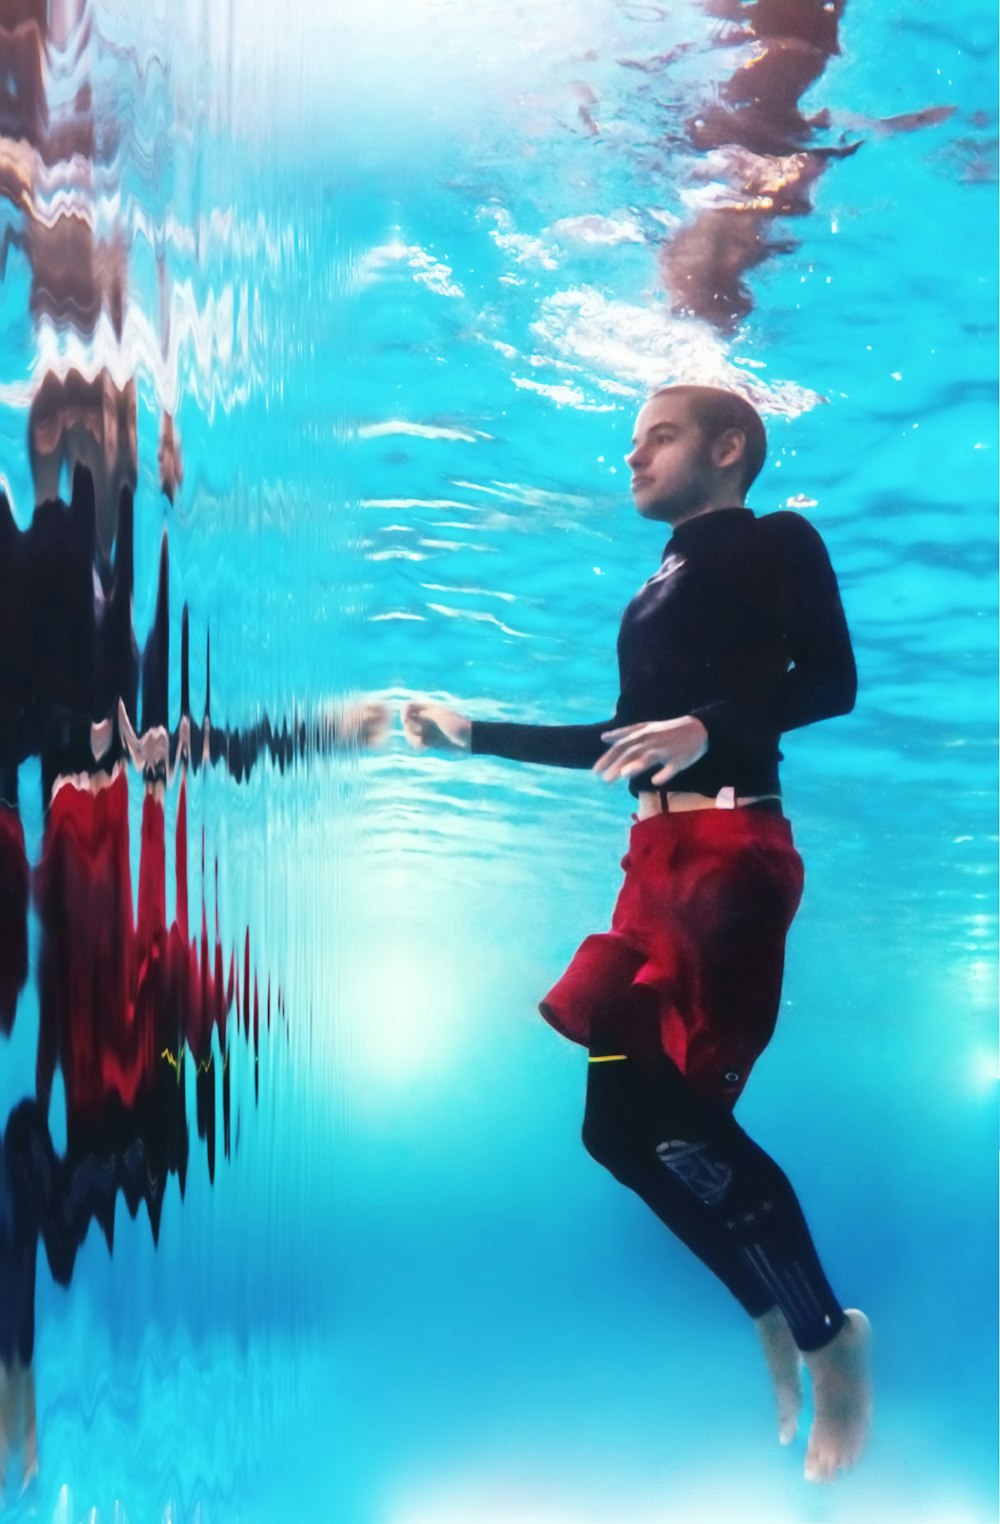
[[729, 448]]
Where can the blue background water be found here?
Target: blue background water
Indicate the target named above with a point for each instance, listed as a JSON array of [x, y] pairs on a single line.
[[410, 1297]]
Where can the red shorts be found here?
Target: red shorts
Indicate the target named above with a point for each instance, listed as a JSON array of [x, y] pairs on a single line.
[[693, 962]]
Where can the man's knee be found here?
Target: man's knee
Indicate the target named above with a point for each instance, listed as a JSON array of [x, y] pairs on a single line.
[[610, 1137], [595, 1137]]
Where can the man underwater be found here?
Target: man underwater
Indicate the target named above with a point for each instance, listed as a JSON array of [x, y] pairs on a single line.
[[737, 637]]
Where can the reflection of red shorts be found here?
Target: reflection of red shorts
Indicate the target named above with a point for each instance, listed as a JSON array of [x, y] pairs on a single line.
[[693, 962], [83, 890]]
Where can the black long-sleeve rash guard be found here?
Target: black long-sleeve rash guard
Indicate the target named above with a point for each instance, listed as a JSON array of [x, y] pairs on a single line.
[[742, 627]]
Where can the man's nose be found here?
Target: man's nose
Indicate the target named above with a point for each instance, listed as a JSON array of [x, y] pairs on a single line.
[[633, 457]]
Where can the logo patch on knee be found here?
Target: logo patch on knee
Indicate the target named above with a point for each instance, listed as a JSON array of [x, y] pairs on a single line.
[[690, 1162]]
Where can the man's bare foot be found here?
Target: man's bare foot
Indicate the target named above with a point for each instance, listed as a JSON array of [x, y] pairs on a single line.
[[842, 1400], [785, 1364]]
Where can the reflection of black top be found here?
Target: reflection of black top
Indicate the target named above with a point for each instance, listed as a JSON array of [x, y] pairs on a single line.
[[743, 627]]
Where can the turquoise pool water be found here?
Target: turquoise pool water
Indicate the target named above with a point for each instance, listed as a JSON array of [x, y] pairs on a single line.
[[413, 266]]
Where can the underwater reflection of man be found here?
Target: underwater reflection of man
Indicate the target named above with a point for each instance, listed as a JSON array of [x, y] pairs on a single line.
[[91, 423], [739, 636]]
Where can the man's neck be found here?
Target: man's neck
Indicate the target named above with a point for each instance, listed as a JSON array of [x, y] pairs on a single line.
[[733, 500]]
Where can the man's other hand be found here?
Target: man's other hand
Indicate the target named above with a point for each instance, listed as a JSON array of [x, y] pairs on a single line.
[[434, 727], [670, 745], [363, 724]]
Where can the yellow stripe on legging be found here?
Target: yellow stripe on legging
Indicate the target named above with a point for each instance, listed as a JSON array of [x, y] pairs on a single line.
[[608, 1058]]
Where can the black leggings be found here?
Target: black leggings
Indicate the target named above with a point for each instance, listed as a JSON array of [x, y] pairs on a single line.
[[720, 1194]]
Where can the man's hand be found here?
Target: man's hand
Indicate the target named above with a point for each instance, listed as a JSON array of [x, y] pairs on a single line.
[[433, 727], [673, 744]]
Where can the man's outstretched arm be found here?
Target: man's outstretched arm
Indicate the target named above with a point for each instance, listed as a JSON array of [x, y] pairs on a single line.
[[431, 726]]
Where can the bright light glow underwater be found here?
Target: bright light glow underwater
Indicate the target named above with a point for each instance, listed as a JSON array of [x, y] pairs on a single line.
[[328, 342]]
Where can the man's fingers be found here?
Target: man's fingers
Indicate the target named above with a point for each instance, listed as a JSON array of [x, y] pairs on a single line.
[[668, 746], [633, 769], [628, 759], [622, 752], [615, 753], [418, 727], [632, 761], [412, 717], [625, 733], [628, 766]]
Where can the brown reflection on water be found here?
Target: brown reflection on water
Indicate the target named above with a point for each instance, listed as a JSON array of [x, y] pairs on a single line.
[[760, 158]]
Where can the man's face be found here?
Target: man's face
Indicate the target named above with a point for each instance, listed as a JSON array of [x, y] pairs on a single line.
[[673, 472]]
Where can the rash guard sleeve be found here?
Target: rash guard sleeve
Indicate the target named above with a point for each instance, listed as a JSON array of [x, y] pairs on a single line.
[[557, 745]]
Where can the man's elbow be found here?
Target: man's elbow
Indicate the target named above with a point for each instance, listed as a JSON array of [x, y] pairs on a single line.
[[843, 693]]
